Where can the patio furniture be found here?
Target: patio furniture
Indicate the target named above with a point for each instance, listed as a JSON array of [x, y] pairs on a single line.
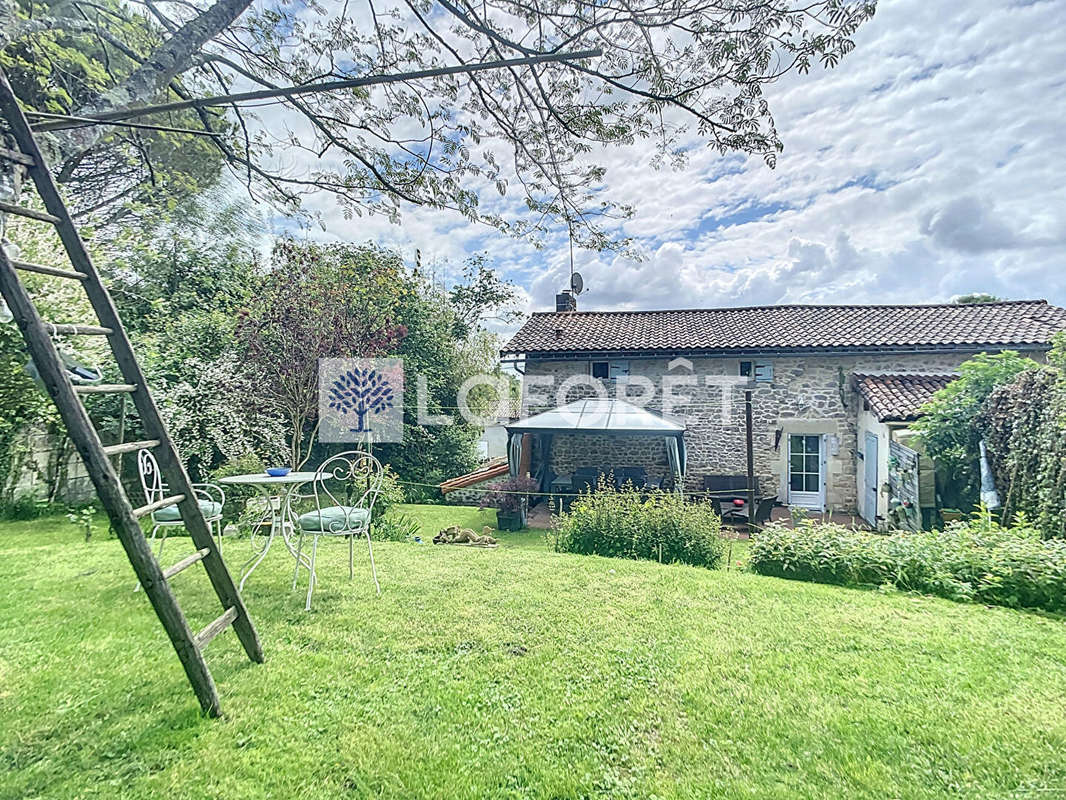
[[278, 493], [209, 496], [726, 487], [346, 487], [764, 506], [638, 476]]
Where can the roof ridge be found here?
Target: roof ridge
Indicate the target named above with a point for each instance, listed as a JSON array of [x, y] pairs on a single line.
[[864, 374], [1036, 302]]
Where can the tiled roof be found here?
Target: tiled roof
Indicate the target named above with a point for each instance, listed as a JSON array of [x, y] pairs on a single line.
[[790, 327], [897, 398], [487, 471]]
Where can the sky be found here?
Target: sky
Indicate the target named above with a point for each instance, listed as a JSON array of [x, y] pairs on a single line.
[[930, 163]]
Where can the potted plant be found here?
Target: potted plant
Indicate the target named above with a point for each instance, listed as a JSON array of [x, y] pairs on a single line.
[[510, 500]]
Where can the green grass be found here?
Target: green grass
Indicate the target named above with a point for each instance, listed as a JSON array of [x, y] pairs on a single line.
[[433, 518], [514, 673]]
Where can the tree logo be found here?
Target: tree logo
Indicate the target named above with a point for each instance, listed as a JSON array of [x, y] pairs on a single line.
[[360, 399], [361, 392]]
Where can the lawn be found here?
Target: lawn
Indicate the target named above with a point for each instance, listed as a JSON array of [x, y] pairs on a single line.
[[515, 673]]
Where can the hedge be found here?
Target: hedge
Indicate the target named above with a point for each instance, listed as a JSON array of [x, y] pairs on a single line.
[[969, 561], [628, 523]]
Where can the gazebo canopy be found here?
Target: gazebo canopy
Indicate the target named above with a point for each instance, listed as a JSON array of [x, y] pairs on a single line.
[[598, 416], [611, 417]]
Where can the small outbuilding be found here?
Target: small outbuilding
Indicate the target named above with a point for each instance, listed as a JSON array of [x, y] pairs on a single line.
[[614, 437], [896, 482]]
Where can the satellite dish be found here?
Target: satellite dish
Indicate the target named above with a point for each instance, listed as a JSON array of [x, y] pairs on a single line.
[[577, 283]]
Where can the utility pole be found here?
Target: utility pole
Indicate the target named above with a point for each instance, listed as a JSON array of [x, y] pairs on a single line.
[[751, 460]]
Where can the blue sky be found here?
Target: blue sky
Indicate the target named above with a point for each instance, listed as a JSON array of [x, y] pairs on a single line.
[[928, 164]]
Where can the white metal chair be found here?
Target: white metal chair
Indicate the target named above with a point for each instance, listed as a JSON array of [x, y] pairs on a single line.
[[346, 487], [209, 495]]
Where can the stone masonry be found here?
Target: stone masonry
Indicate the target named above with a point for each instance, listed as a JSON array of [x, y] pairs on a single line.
[[809, 394]]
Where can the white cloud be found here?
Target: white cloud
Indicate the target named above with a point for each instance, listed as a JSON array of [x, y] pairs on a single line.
[[928, 164]]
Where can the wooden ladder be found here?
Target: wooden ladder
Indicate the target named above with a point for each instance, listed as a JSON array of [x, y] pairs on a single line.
[[38, 335]]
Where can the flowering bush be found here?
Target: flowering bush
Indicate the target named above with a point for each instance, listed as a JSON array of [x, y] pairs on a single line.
[[974, 560], [509, 496], [629, 523]]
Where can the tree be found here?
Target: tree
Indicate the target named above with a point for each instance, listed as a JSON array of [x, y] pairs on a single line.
[[948, 423], [667, 71], [975, 298], [318, 301], [482, 294], [124, 174]]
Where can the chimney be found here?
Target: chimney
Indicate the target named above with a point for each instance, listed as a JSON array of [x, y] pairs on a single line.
[[565, 301]]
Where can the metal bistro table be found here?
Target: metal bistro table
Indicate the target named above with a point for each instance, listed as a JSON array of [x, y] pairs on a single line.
[[282, 489]]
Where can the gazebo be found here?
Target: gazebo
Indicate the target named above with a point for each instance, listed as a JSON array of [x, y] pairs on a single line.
[[607, 419]]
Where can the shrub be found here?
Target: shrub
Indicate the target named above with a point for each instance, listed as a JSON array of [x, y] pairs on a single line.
[[394, 527], [392, 493], [627, 523], [1024, 426], [509, 496], [947, 426], [237, 496], [974, 561]]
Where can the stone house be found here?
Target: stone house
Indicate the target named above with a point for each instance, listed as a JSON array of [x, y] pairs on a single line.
[[829, 384]]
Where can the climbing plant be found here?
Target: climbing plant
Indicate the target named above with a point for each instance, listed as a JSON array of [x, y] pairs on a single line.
[[1024, 426], [947, 426]]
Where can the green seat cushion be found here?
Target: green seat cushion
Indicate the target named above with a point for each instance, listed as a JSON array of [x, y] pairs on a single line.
[[172, 514], [334, 519]]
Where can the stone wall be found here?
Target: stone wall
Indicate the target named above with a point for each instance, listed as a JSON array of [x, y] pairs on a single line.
[[809, 394], [570, 451], [43, 462], [471, 495]]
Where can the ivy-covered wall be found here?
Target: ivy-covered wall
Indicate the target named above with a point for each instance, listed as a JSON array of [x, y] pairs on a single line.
[[43, 466], [1024, 425]]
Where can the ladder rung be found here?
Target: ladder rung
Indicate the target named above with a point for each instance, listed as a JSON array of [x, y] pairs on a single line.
[[22, 211], [129, 447], [213, 629], [59, 273], [17, 156], [105, 388], [185, 563], [78, 330], [144, 511]]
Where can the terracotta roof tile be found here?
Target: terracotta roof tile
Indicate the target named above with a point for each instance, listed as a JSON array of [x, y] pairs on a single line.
[[487, 471], [787, 327], [897, 398]]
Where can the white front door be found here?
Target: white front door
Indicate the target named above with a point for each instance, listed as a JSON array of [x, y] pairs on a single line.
[[806, 470]]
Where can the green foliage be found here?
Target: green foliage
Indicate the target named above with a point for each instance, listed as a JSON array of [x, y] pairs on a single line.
[[627, 523], [1024, 426], [128, 175], [83, 518], [237, 508], [394, 527], [25, 507], [976, 298], [391, 494], [948, 429], [976, 560]]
